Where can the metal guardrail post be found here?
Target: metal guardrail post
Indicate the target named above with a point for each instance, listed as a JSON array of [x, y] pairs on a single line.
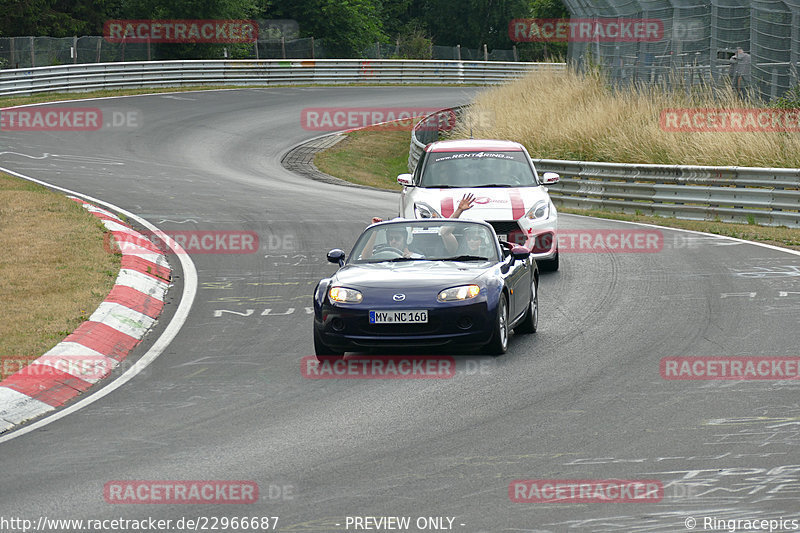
[[774, 88]]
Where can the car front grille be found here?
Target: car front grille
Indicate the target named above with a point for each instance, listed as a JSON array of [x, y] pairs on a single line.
[[504, 227]]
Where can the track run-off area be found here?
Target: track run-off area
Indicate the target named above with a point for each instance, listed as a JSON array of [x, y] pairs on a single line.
[[226, 400]]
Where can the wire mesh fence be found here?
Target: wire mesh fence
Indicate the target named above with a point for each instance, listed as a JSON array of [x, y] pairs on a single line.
[[699, 43], [25, 52], [473, 54], [456, 53], [307, 48]]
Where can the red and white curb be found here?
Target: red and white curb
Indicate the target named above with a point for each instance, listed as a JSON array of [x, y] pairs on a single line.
[[118, 324]]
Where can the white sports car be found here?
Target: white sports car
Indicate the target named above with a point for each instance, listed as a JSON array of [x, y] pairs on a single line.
[[509, 194]]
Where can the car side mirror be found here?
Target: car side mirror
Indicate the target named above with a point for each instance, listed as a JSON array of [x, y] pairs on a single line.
[[406, 180], [336, 256], [549, 178], [520, 253]]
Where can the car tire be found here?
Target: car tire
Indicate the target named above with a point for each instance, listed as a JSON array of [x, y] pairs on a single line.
[[499, 342], [531, 320], [551, 265], [325, 352]]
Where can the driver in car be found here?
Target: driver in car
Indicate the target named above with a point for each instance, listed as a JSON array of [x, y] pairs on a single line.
[[396, 239]]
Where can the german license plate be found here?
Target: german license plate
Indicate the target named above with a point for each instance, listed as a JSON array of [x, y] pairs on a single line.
[[398, 317]]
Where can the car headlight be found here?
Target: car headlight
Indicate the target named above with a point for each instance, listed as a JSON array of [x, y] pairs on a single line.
[[540, 210], [423, 210], [464, 292], [345, 295]]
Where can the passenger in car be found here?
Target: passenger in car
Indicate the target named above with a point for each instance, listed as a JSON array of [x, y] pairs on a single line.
[[450, 241]]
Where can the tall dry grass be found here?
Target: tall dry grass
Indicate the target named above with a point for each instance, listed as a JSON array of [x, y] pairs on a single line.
[[568, 115]]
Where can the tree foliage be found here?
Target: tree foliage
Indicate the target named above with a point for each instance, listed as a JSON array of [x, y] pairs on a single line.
[[545, 9], [346, 26], [471, 23], [53, 18]]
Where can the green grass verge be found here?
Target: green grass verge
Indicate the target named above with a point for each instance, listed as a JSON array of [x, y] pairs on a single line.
[[54, 270], [371, 158]]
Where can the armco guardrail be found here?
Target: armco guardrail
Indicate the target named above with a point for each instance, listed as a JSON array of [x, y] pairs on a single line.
[[767, 196], [154, 74]]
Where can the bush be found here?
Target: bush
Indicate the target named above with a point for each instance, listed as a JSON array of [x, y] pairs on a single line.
[[414, 43], [789, 100]]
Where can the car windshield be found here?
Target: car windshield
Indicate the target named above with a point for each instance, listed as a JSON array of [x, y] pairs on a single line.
[[428, 240], [477, 169]]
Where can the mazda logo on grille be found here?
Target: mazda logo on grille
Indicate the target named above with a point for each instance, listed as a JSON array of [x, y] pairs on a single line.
[[399, 297]]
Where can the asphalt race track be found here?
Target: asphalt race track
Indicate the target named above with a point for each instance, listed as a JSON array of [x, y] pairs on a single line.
[[583, 399]]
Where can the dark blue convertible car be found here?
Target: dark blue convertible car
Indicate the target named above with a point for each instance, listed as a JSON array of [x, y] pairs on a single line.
[[426, 283]]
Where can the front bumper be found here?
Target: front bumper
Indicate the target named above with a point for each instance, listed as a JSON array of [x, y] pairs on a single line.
[[347, 328]]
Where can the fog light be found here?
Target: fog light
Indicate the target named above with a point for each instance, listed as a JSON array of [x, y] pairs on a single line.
[[337, 324], [464, 322]]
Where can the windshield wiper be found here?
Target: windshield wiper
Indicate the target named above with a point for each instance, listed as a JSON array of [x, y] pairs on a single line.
[[496, 185], [398, 259], [441, 186], [465, 258]]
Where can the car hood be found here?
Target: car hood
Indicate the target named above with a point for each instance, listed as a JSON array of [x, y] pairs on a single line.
[[409, 274], [492, 203]]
